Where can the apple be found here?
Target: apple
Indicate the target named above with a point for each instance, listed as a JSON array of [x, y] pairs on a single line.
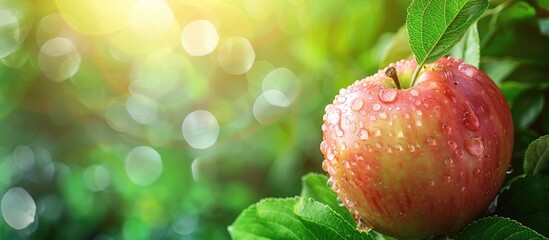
[[421, 160]]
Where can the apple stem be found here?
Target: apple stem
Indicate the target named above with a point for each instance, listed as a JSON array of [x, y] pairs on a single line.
[[414, 76], [392, 73]]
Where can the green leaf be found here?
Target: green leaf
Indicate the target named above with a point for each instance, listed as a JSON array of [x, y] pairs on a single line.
[[497, 228], [399, 48], [468, 49], [315, 186], [526, 202], [543, 4], [292, 218], [537, 157], [512, 90], [434, 27], [527, 108], [519, 11], [499, 69]]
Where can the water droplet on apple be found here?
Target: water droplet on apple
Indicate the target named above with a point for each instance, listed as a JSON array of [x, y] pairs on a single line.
[[330, 182], [339, 132], [476, 172], [411, 148], [339, 202], [431, 141], [414, 93], [400, 134], [417, 102], [452, 144], [470, 119], [388, 95], [488, 173], [419, 113], [334, 115], [356, 145], [341, 99], [390, 123], [363, 226], [382, 115], [463, 188], [377, 132], [446, 128], [325, 165], [330, 156], [510, 169], [446, 178], [406, 115], [402, 215], [342, 146], [363, 134], [468, 70], [357, 104], [493, 206], [388, 149], [474, 146], [460, 153], [399, 147], [418, 123], [376, 106], [449, 162], [378, 145], [432, 183]]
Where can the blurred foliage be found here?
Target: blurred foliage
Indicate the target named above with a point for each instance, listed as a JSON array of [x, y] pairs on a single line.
[[84, 85]]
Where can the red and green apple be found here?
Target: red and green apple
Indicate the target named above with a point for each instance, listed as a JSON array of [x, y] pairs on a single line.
[[421, 160]]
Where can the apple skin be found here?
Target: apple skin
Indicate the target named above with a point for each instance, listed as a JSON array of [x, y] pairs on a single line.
[[421, 161]]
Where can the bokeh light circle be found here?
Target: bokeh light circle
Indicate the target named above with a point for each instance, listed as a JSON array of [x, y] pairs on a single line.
[[236, 55], [15, 23], [270, 106], [143, 165], [200, 129], [97, 177], [199, 38], [142, 109], [284, 81], [24, 157], [18, 208], [59, 59], [150, 19], [95, 16]]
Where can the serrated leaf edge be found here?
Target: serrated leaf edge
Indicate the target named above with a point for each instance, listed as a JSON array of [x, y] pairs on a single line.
[[230, 228], [496, 217], [535, 170]]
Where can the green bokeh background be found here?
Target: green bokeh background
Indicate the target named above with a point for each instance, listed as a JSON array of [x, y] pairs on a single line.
[[74, 126]]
